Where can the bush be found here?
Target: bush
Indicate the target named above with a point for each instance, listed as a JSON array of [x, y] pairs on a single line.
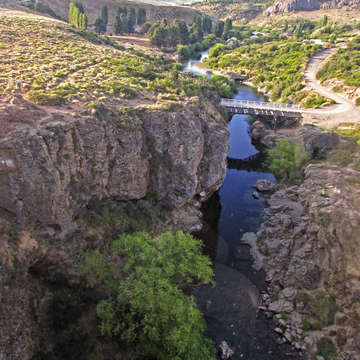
[[224, 86], [147, 305], [286, 160], [216, 50], [326, 349]]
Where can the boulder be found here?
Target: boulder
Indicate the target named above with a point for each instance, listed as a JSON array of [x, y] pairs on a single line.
[[263, 185]]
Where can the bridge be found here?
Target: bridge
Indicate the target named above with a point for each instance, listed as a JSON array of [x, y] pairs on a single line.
[[261, 108]]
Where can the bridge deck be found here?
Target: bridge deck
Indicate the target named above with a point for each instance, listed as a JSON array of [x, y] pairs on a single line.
[[261, 108]]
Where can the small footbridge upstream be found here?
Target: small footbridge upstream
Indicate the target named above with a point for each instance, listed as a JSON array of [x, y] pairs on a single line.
[[234, 106]]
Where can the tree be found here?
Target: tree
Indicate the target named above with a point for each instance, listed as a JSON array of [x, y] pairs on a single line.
[[141, 16], [207, 24], [325, 20], [104, 15], [196, 34], [122, 10], [131, 20], [77, 17], [286, 159], [183, 31], [100, 27], [146, 304], [117, 26], [124, 22], [227, 27], [219, 29]]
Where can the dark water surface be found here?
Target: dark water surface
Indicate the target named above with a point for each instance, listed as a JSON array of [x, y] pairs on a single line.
[[230, 307]]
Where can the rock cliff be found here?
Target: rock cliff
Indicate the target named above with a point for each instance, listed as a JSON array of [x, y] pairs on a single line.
[[69, 182], [307, 5], [49, 173]]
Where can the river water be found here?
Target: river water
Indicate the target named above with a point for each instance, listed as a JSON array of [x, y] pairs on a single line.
[[230, 307]]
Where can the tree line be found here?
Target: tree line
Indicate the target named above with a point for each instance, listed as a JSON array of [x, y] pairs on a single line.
[[77, 17]]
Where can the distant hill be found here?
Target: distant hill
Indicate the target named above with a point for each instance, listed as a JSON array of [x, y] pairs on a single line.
[[93, 7], [283, 6], [244, 10]]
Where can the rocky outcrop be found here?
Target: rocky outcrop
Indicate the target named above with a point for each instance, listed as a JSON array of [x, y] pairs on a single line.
[[72, 182], [309, 247], [51, 171], [317, 142], [307, 5]]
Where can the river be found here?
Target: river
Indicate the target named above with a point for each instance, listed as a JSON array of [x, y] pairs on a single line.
[[231, 307]]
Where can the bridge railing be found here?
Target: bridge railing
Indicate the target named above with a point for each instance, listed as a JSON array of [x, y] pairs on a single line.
[[259, 105]]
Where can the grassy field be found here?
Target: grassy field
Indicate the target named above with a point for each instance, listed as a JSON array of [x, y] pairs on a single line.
[[50, 63]]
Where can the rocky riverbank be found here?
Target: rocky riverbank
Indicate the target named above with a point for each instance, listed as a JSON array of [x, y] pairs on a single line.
[[309, 247]]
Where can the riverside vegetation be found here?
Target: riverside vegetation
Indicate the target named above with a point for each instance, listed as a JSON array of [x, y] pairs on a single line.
[[274, 57]]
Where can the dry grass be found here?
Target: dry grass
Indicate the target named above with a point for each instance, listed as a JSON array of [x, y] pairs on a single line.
[[50, 63]]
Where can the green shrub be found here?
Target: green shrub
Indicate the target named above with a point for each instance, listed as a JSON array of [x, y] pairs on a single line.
[[341, 157], [147, 305], [357, 101], [217, 50], [286, 160], [321, 305], [224, 86], [326, 348]]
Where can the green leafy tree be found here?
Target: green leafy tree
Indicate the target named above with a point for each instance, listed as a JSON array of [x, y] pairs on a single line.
[[100, 27], [227, 28], [104, 15], [117, 26], [219, 29], [122, 10], [196, 34], [325, 20], [207, 24], [183, 31], [124, 22], [286, 159], [217, 49], [147, 305], [141, 16], [224, 86], [131, 20], [77, 17]]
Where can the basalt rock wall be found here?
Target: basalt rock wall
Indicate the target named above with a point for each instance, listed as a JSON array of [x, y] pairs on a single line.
[[49, 173]]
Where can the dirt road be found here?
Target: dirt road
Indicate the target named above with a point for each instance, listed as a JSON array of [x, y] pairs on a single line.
[[343, 111]]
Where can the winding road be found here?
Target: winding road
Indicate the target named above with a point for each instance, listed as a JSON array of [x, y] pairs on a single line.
[[343, 111]]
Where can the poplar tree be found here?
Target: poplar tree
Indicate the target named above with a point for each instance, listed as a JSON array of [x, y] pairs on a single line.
[[131, 20], [77, 17], [141, 16]]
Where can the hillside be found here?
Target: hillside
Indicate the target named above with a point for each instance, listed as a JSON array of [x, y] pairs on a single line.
[[95, 141], [308, 5], [93, 9], [235, 9]]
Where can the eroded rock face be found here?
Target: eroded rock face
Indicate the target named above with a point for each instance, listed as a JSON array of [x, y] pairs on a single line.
[[307, 5], [317, 142], [309, 247], [58, 171], [50, 172]]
